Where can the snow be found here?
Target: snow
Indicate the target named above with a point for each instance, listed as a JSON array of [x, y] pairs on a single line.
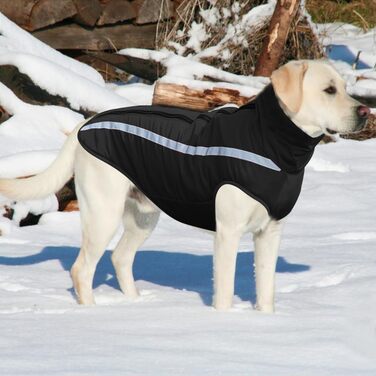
[[349, 35], [197, 35], [324, 324], [182, 68], [238, 31], [13, 38], [142, 94], [13, 165], [211, 16], [45, 205], [30, 132], [80, 93], [350, 40], [325, 302]]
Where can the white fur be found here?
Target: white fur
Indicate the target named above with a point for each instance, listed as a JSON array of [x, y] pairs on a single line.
[[101, 189]]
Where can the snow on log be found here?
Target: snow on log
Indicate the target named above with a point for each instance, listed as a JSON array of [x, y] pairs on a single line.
[[26, 90], [196, 99], [275, 40]]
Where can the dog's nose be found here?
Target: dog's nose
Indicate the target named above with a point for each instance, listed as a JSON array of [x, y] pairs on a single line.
[[363, 111]]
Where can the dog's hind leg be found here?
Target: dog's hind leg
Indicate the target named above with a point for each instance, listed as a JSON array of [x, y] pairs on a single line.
[[101, 192], [138, 225]]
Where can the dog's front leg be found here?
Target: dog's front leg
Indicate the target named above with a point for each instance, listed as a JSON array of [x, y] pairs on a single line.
[[225, 251], [266, 254]]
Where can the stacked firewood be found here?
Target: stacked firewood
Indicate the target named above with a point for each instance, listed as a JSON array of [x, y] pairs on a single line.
[[90, 24]]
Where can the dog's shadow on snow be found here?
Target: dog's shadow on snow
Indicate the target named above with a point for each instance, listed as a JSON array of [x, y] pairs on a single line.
[[183, 271]]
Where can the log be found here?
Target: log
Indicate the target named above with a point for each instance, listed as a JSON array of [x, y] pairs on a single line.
[[109, 72], [17, 11], [25, 89], [66, 195], [29, 220], [4, 115], [116, 11], [75, 37], [149, 11], [274, 42], [195, 99], [88, 12], [72, 206], [147, 69], [48, 12]]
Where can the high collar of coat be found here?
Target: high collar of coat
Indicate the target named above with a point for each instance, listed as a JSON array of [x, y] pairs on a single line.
[[287, 145]]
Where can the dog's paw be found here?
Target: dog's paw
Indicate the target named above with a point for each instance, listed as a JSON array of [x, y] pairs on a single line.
[[131, 294], [222, 306], [265, 308]]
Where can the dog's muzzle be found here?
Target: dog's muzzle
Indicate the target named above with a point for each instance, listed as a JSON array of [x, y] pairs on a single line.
[[362, 113]]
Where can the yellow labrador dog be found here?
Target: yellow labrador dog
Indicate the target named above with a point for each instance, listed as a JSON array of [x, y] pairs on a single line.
[[311, 93]]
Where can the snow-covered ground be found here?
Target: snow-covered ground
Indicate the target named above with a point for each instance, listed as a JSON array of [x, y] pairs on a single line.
[[325, 321]]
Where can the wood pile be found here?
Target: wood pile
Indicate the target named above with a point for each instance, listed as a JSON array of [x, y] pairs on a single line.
[[90, 24]]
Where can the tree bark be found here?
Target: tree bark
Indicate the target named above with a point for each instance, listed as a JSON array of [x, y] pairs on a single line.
[[274, 42], [196, 99]]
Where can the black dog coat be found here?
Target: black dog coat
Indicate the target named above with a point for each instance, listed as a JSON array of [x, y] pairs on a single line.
[[180, 158]]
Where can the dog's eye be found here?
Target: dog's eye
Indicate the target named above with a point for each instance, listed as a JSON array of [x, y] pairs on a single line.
[[330, 90]]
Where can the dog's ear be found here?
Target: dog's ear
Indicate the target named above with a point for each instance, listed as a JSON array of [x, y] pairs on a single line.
[[287, 82]]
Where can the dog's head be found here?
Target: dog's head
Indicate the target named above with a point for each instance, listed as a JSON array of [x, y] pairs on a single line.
[[313, 95]]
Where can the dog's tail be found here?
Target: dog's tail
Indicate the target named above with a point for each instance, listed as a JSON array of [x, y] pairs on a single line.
[[47, 182]]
